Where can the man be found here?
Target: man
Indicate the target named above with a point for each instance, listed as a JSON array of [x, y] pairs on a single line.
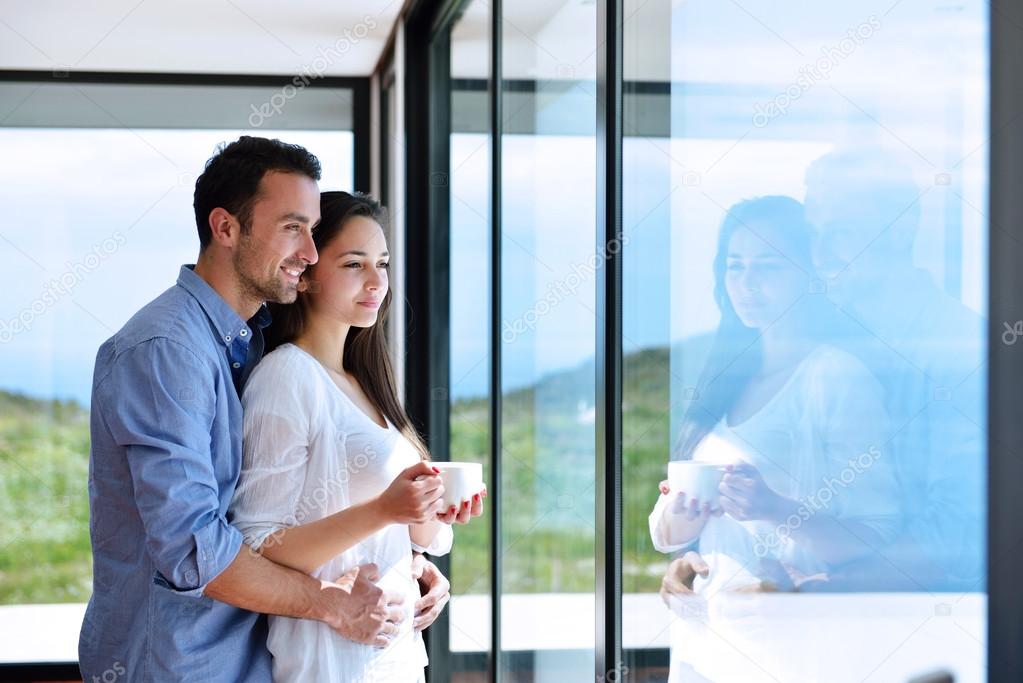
[[175, 594]]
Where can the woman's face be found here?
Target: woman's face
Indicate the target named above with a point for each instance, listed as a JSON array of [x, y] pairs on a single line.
[[349, 282], [762, 284]]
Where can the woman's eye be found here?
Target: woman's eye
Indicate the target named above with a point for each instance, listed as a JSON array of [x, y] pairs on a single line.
[[385, 266], [293, 228], [354, 264]]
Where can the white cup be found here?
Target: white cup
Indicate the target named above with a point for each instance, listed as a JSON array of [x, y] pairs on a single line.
[[462, 480], [698, 480]]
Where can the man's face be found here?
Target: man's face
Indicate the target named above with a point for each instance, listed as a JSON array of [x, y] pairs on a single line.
[[278, 245], [846, 252]]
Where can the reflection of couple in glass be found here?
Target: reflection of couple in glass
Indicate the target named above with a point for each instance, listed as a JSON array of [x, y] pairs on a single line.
[[791, 419], [842, 398]]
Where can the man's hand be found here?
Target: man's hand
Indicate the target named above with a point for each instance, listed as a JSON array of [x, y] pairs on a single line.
[[435, 590], [678, 580], [462, 515], [359, 610]]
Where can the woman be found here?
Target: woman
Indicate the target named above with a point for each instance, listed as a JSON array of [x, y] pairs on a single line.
[[797, 425], [334, 475]]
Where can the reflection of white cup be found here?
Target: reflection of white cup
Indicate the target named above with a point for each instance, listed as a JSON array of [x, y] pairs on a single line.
[[462, 480], [698, 479]]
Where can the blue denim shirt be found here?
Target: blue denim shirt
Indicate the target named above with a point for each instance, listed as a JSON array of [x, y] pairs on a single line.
[[166, 452]]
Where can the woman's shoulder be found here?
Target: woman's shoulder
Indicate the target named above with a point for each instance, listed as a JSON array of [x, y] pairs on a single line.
[[834, 376], [831, 362], [287, 373]]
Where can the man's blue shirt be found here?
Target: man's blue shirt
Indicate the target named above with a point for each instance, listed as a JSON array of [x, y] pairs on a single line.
[[166, 453]]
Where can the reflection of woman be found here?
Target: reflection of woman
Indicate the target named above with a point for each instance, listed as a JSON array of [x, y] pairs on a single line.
[[798, 424], [334, 476]]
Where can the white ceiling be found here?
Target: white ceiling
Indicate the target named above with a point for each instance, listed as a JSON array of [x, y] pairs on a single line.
[[196, 36]]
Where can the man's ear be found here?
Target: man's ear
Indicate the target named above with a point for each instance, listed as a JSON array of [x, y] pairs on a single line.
[[224, 227]]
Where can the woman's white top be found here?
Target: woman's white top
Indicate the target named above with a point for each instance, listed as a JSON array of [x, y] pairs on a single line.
[[821, 440], [309, 452]]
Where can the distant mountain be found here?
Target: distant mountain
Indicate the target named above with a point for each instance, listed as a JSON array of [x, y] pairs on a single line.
[[15, 404]]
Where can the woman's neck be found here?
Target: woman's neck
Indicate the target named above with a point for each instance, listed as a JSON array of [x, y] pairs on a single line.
[[783, 345], [324, 340]]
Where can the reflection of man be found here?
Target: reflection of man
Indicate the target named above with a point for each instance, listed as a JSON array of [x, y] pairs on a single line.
[[925, 348]]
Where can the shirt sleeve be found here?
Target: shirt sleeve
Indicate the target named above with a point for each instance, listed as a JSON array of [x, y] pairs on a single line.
[[441, 543], [658, 528], [278, 416], [161, 400]]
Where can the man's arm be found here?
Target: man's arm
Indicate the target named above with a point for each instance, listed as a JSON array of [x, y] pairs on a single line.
[[353, 605], [159, 405]]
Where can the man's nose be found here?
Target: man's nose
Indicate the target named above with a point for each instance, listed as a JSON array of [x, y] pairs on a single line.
[[307, 252]]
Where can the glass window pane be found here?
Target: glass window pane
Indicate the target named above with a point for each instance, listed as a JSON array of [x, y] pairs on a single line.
[[98, 222], [805, 301], [548, 343], [470, 274]]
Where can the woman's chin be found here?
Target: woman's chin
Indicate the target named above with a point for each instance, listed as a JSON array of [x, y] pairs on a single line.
[[366, 320]]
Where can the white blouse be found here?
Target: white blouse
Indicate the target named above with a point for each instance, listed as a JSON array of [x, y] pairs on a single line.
[[821, 440], [309, 452]]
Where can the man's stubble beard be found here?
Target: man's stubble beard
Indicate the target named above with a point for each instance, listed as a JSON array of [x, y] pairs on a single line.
[[255, 286]]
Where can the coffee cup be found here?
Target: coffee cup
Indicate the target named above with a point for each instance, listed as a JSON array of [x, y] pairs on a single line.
[[698, 480], [462, 480]]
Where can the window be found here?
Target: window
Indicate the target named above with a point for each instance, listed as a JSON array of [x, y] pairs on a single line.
[[548, 184], [469, 290], [99, 182], [805, 300]]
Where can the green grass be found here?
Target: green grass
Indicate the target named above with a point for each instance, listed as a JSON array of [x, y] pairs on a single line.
[[44, 505], [548, 488]]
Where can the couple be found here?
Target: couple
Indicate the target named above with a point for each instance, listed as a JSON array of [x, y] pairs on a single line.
[[314, 504], [872, 309], [854, 410], [785, 413]]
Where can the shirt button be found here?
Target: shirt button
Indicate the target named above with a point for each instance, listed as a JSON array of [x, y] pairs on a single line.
[[227, 337], [236, 365], [244, 333]]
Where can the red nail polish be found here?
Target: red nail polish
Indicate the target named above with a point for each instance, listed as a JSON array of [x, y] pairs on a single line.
[[465, 503], [476, 497], [436, 471]]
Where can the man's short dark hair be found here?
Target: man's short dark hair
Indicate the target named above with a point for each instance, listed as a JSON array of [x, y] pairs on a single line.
[[231, 178]]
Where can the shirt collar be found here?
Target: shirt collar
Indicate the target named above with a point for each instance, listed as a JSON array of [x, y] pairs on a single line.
[[225, 319]]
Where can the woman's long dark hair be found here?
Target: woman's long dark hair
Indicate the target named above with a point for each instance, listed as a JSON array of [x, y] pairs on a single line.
[[366, 354], [736, 355]]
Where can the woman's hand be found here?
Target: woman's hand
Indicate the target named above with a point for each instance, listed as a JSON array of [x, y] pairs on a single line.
[[746, 496], [435, 591], [691, 508], [468, 510], [414, 497]]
